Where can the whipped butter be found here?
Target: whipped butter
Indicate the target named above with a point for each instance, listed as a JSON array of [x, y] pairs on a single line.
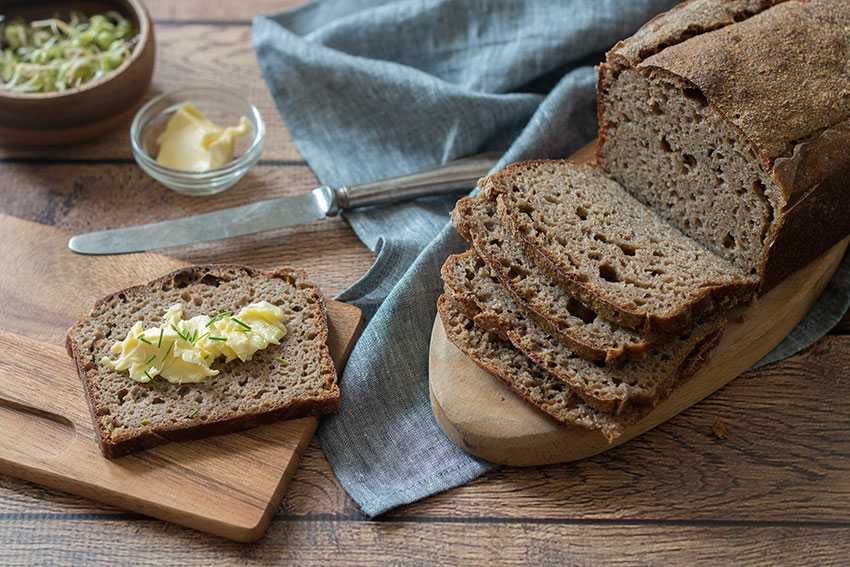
[[192, 142], [183, 350]]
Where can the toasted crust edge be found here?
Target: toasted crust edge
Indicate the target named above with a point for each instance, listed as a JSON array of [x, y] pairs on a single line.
[[299, 407]]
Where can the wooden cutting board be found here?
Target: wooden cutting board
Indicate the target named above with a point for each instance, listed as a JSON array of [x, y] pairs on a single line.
[[229, 485], [484, 417]]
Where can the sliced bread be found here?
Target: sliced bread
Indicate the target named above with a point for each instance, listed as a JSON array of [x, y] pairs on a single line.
[[635, 387], [129, 416], [572, 322], [732, 120], [543, 391], [611, 251]]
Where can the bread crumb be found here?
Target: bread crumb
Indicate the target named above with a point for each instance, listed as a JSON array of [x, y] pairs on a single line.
[[720, 429]]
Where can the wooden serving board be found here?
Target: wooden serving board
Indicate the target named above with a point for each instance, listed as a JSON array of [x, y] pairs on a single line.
[[228, 485], [484, 417]]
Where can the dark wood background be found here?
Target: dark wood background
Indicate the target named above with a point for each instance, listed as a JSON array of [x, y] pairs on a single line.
[[776, 489]]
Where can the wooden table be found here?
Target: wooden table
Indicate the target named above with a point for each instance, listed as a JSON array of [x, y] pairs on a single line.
[[776, 488]]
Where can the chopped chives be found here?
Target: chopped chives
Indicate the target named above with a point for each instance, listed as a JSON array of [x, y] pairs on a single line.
[[241, 323], [148, 375], [212, 338], [144, 340], [146, 421], [164, 356], [151, 359], [219, 316], [159, 342], [195, 413], [282, 360], [179, 334]]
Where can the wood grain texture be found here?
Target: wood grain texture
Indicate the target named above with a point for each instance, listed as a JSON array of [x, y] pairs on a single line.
[[233, 13], [228, 485], [86, 197], [318, 541]]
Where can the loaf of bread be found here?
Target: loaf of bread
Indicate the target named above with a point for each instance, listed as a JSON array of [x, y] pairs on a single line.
[[731, 118], [723, 166], [129, 416]]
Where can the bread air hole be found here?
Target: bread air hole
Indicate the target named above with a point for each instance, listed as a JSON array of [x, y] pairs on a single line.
[[608, 273], [695, 95], [581, 311], [627, 249], [581, 213]]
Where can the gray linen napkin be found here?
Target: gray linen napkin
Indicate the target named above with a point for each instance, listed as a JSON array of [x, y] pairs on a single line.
[[371, 89]]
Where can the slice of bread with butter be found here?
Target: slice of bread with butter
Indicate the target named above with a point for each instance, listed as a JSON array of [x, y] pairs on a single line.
[[204, 350]]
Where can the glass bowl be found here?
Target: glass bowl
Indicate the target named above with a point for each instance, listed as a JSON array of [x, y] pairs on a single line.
[[223, 107]]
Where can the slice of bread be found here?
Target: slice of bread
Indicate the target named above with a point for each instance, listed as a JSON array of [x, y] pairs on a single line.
[[130, 416], [543, 391], [611, 251], [569, 320], [635, 387]]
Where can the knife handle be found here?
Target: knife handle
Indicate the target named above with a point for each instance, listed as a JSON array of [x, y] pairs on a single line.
[[450, 178]]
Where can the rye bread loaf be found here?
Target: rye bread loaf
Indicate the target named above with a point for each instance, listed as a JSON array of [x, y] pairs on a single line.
[[732, 119], [636, 387], [610, 251], [572, 322], [546, 393], [129, 416]]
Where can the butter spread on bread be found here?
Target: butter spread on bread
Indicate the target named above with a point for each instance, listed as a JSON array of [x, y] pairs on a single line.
[[183, 350]]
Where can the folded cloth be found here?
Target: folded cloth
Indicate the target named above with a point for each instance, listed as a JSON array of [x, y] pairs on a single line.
[[371, 89]]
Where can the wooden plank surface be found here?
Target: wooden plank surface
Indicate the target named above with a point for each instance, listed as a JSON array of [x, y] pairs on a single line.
[[775, 490]]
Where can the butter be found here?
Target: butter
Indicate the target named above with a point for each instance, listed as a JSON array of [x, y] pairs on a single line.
[[191, 142], [183, 351]]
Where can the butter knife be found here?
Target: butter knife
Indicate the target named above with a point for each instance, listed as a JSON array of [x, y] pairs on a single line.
[[282, 212]]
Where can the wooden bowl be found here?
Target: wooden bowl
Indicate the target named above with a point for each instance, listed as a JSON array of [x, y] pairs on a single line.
[[84, 113]]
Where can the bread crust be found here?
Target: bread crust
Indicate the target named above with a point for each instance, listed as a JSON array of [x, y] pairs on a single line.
[[196, 428], [776, 70]]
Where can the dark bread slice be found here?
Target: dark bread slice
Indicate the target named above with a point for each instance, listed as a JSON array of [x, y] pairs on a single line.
[[543, 391], [564, 316], [130, 416], [635, 387], [732, 120], [612, 252]]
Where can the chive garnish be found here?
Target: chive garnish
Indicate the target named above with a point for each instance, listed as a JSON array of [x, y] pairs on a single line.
[[151, 359], [144, 340], [219, 316], [164, 356], [179, 334], [146, 421], [282, 360], [148, 375], [159, 342], [241, 323], [212, 338], [195, 413]]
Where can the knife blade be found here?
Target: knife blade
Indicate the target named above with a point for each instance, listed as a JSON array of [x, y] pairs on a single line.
[[283, 212], [227, 223]]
